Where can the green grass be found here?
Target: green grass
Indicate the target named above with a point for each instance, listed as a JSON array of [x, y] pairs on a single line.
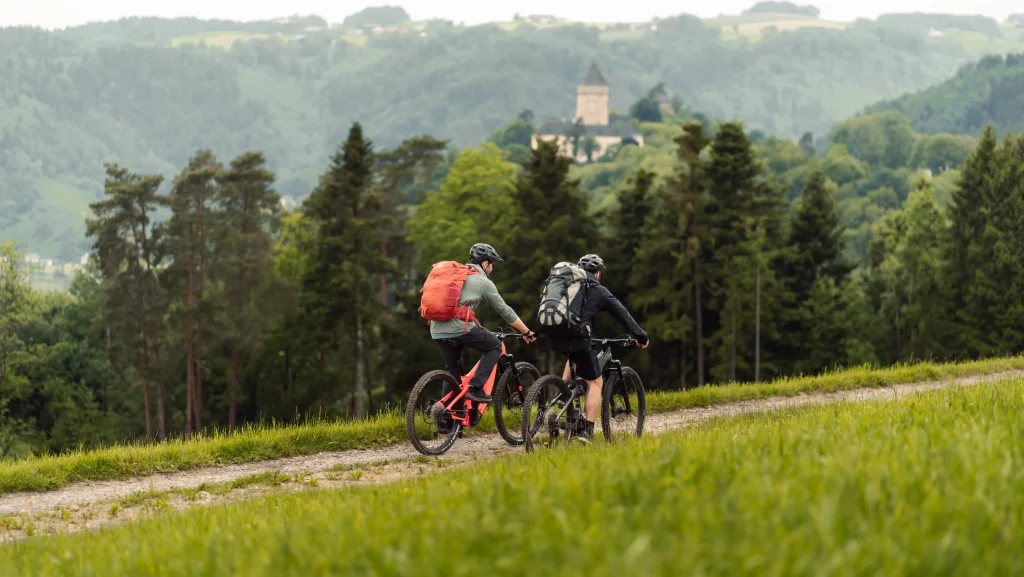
[[256, 443], [926, 485]]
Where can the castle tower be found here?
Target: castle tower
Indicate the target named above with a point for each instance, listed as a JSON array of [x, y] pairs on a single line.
[[592, 98]]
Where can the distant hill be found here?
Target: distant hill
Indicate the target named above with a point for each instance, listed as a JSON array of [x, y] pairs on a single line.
[[989, 91], [148, 92]]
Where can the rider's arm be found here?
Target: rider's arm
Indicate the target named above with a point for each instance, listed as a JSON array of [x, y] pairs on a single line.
[[490, 294], [616, 308]]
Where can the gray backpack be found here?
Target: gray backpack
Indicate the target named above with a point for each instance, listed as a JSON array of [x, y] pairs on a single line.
[[561, 302]]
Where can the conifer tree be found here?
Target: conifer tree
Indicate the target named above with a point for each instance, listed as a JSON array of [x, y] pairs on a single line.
[[549, 222], [191, 199], [743, 211], [972, 209], [247, 206], [128, 250], [351, 225]]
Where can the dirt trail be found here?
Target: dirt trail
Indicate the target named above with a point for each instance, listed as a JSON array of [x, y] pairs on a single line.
[[87, 505]]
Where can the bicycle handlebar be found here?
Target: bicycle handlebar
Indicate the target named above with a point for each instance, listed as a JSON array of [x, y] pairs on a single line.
[[627, 341], [502, 335]]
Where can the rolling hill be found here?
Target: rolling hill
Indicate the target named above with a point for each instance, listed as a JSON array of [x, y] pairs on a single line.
[[989, 91], [147, 92]]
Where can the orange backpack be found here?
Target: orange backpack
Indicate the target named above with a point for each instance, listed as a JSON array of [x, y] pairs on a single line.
[[441, 292]]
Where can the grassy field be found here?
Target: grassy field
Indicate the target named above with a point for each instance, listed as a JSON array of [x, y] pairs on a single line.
[[256, 443], [927, 485]]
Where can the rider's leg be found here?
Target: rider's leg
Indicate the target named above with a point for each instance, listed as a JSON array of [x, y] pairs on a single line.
[[594, 399], [566, 374], [588, 369], [451, 353], [490, 350]]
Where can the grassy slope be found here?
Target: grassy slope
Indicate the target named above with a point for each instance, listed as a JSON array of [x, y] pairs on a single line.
[[925, 485], [260, 443]]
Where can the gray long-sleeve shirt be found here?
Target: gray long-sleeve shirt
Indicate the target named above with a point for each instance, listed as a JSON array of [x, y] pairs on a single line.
[[476, 288]]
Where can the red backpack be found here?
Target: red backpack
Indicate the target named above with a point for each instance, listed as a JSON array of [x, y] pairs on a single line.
[[441, 292]]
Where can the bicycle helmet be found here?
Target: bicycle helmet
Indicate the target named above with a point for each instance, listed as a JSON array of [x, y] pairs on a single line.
[[591, 263], [480, 252]]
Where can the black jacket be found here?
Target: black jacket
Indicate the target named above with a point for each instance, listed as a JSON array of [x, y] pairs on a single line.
[[599, 299]]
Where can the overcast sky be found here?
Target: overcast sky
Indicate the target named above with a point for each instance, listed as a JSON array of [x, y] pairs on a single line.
[[61, 13]]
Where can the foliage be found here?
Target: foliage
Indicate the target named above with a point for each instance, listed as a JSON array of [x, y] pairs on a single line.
[[792, 492], [984, 92]]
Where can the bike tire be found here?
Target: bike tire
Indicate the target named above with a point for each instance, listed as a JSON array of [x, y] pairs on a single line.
[[540, 387], [611, 386], [411, 414], [501, 394]]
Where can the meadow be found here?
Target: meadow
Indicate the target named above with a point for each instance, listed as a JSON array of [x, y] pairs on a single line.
[[272, 440], [928, 484]]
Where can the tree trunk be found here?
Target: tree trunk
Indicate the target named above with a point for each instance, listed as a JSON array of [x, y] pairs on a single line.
[[160, 422], [360, 400], [197, 400], [233, 401], [189, 371], [699, 313], [757, 327], [144, 363], [321, 400], [732, 344], [384, 285], [682, 366]]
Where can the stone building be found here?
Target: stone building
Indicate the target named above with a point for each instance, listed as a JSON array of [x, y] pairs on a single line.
[[594, 129]]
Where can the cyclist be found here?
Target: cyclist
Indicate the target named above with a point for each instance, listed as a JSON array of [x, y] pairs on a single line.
[[454, 335], [598, 298]]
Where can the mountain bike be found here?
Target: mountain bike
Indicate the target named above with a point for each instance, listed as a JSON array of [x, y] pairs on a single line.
[[554, 409], [436, 418]]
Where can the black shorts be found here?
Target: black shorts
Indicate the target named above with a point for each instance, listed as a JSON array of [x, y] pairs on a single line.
[[586, 364]]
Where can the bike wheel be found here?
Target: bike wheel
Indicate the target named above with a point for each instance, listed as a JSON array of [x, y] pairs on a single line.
[[624, 405], [539, 426], [431, 434], [509, 395]]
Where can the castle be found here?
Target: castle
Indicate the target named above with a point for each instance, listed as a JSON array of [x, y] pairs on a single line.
[[593, 122]]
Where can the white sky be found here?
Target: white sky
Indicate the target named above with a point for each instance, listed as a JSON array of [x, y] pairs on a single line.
[[62, 13]]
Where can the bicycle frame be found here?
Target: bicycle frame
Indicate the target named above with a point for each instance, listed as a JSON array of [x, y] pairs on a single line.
[[451, 400], [607, 365]]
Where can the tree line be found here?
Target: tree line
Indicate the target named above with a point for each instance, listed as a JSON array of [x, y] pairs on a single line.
[[209, 306]]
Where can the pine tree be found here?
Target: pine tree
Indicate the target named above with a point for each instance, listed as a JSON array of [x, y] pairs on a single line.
[[191, 198], [813, 256], [549, 222], [128, 249], [351, 226], [741, 206], [972, 208], [247, 207]]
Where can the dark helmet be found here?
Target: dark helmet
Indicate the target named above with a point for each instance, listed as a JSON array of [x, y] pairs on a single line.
[[591, 263], [480, 252]]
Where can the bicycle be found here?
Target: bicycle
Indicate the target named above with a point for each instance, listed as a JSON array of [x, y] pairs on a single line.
[[450, 411], [563, 415]]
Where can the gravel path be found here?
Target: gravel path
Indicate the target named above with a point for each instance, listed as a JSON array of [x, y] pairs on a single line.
[[386, 464]]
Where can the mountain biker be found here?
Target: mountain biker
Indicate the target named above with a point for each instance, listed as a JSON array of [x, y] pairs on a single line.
[[452, 336], [598, 298]]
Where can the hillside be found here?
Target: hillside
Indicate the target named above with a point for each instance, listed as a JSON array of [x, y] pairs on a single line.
[[147, 93], [989, 91]]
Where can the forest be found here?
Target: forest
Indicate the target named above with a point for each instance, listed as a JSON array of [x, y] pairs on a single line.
[[985, 92], [147, 93], [733, 256]]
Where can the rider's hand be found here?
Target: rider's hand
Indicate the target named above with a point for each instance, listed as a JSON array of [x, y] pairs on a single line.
[[529, 337]]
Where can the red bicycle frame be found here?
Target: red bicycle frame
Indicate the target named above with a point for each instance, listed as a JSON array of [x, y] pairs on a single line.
[[460, 394]]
